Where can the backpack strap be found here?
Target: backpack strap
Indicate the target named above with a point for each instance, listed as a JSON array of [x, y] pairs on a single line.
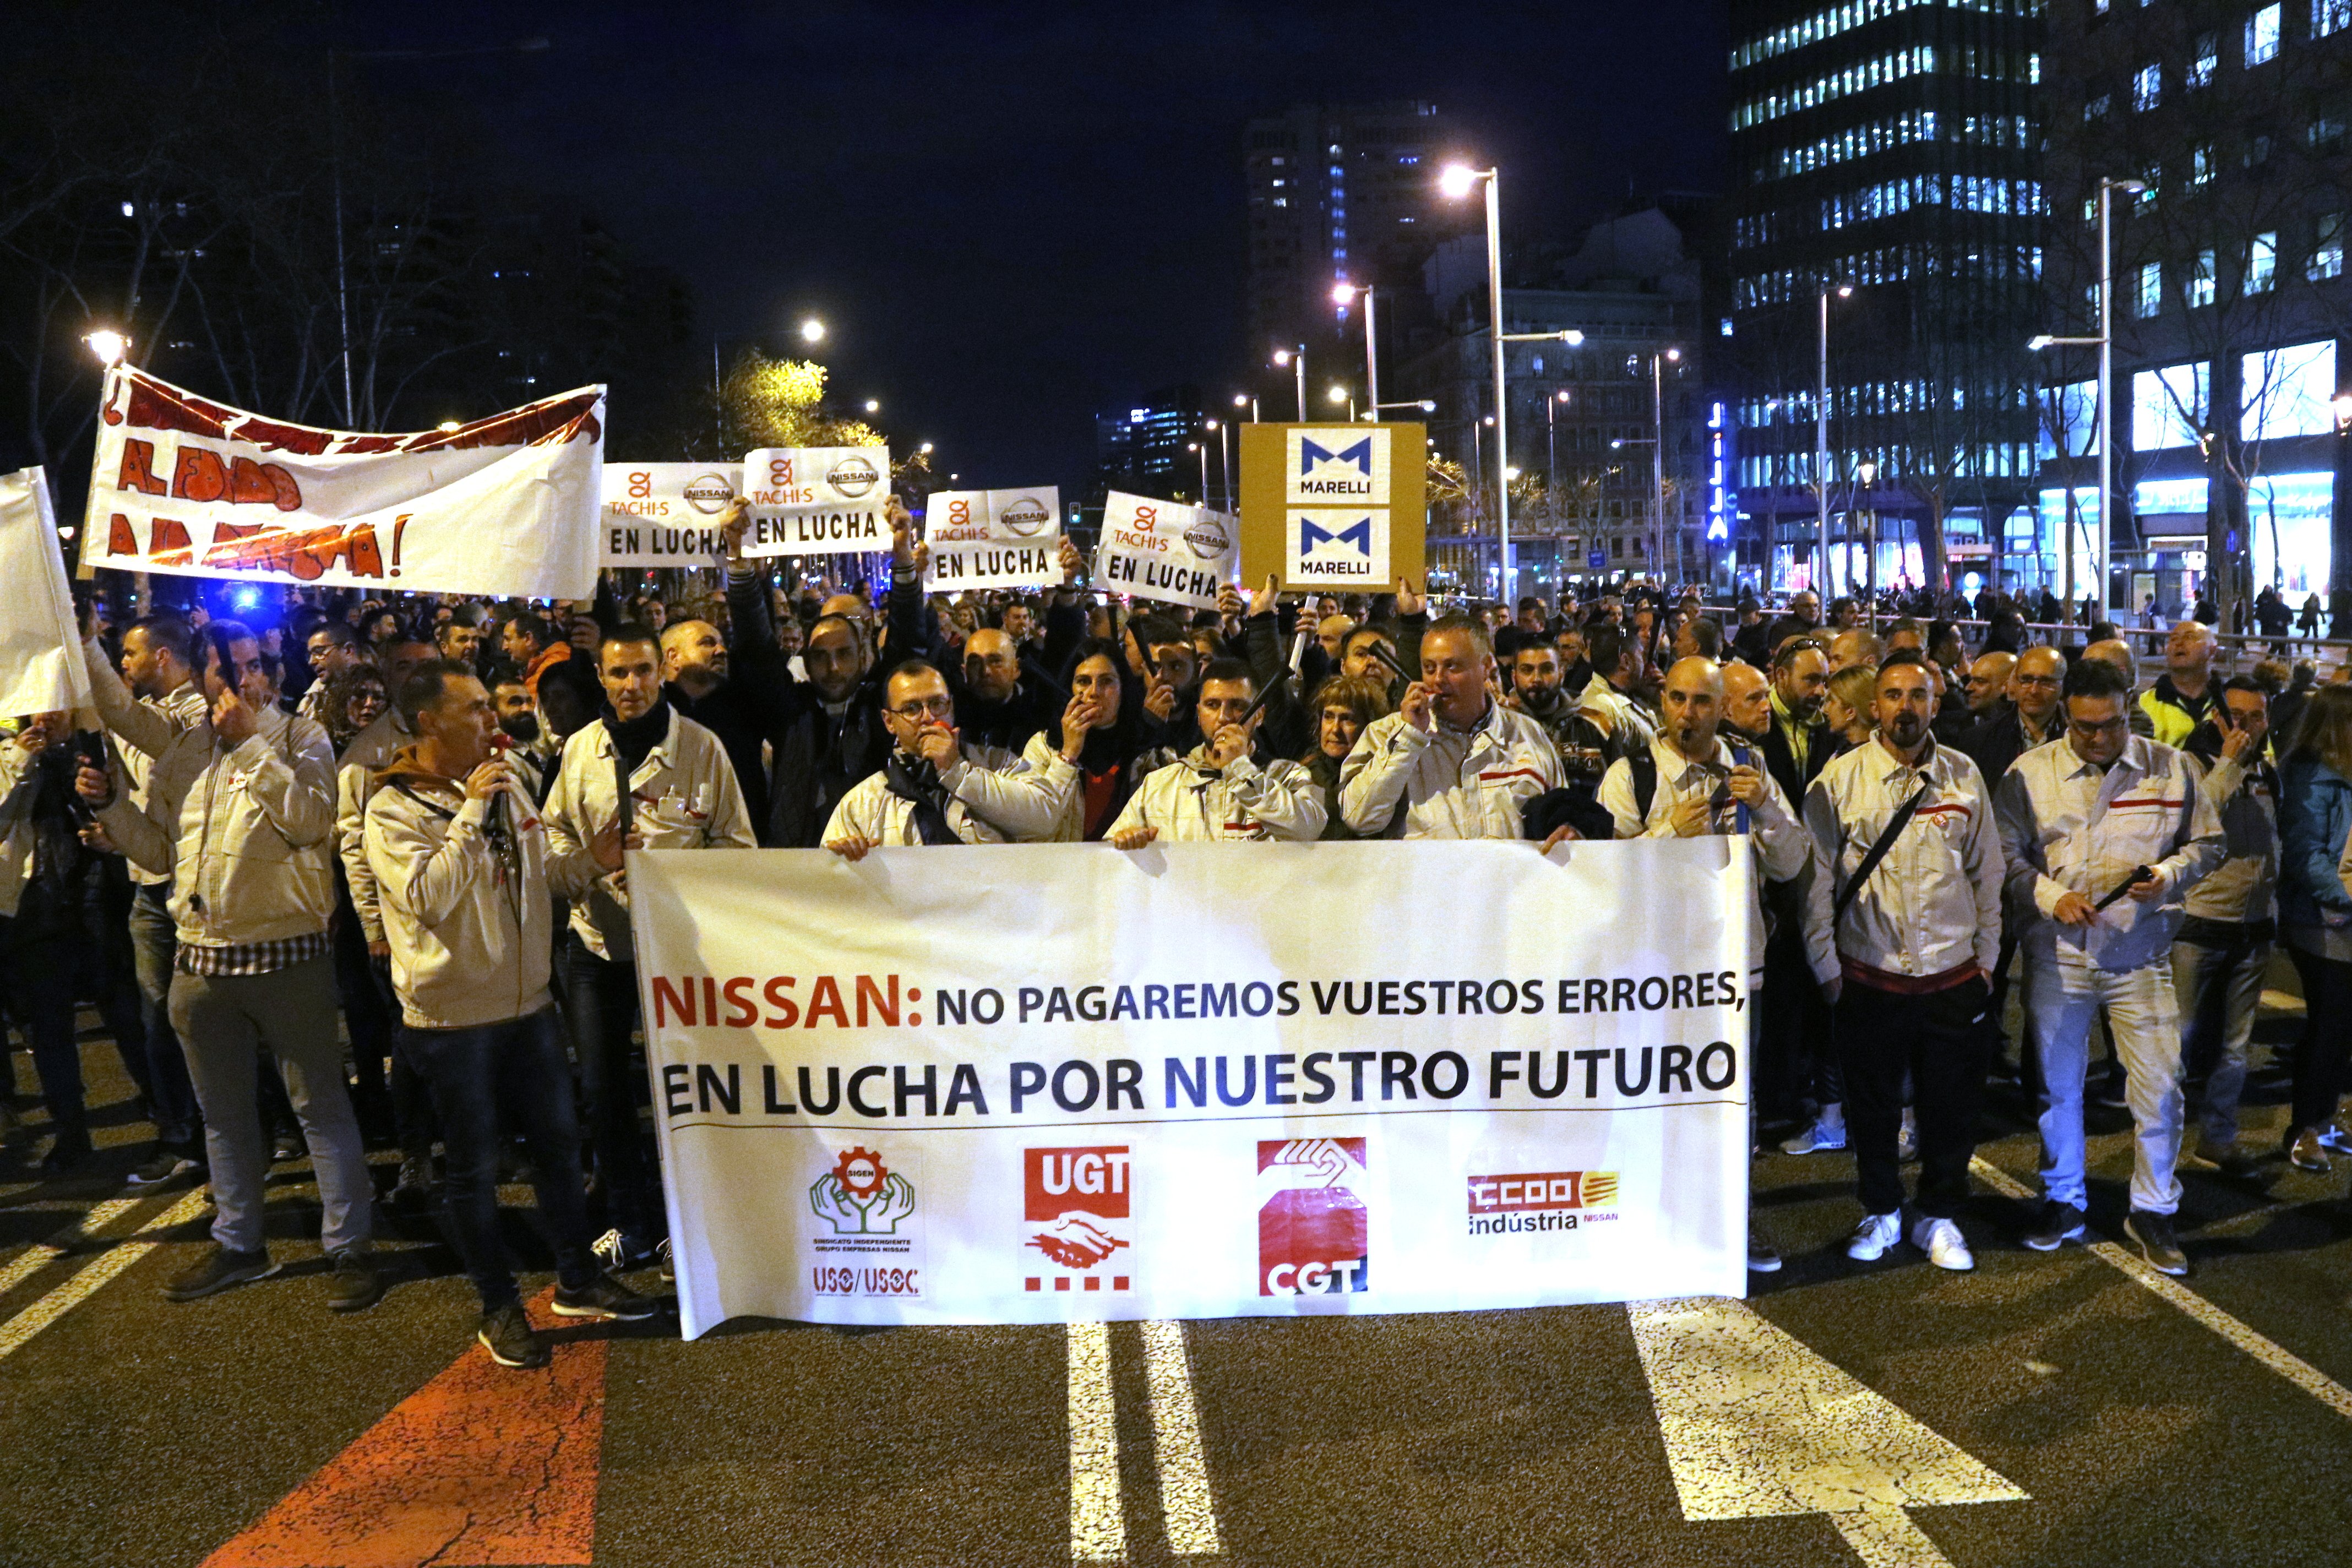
[[1878, 850], [1642, 765]]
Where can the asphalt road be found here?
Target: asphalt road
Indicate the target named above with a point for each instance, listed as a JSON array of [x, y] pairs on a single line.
[[2120, 1427]]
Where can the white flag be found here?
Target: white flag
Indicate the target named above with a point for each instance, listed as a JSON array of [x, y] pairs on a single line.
[[41, 669]]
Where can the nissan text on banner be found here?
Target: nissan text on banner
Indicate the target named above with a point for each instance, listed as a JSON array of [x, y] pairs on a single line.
[[993, 538], [41, 668], [505, 506], [1480, 1077], [817, 500], [664, 514], [1160, 549]]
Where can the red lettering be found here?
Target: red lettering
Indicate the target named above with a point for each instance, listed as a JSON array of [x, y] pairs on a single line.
[[787, 1012], [738, 995], [673, 999], [199, 475], [826, 1001], [887, 1007], [119, 539], [137, 471], [166, 534]]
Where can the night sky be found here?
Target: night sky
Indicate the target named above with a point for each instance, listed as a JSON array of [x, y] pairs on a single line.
[[1015, 216]]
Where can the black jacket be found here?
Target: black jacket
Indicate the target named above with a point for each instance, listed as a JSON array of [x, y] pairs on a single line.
[[1781, 761], [815, 757], [1999, 740]]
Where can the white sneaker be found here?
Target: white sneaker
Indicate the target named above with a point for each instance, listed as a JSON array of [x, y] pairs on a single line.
[[1822, 1135], [1874, 1236], [1906, 1142], [1945, 1248]]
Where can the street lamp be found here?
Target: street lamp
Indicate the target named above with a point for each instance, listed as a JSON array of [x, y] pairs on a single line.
[[1456, 181], [873, 405], [1201, 447], [1225, 459], [1821, 437], [1296, 358], [1552, 406], [2105, 343], [1243, 400], [108, 345], [1659, 359], [925, 449], [812, 331], [1866, 472], [449, 426], [1342, 295]]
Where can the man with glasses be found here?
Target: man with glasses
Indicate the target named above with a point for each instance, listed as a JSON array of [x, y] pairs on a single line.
[[2104, 834], [334, 647], [2026, 719], [935, 789]]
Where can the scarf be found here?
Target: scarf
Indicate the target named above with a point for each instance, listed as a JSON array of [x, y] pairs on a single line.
[[634, 739], [915, 779]]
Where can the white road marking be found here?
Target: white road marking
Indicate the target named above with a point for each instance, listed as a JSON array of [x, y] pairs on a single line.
[[89, 1280], [33, 1259], [1888, 1537], [1184, 1496], [2280, 1360], [1756, 1425], [1097, 1518]]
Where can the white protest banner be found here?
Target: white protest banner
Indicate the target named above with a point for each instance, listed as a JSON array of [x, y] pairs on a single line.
[[817, 500], [993, 538], [41, 671], [505, 505], [1162, 550], [664, 514], [1479, 1078]]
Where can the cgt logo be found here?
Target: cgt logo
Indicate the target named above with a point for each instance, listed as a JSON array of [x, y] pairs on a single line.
[[1075, 1204], [1313, 1234]]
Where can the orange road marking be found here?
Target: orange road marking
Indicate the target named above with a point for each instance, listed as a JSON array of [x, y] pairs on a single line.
[[484, 1465]]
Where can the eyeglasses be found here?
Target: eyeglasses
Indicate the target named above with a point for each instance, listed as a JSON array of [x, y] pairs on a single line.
[[2104, 727], [2033, 680], [932, 707]]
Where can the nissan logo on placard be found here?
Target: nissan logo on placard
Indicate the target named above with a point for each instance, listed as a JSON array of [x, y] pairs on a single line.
[[1208, 538], [853, 476], [708, 493], [1027, 517]]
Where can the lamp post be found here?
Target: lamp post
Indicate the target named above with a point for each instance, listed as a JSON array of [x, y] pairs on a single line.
[[1426, 405], [1457, 181], [1225, 459], [1867, 472], [2105, 343], [1821, 439], [1659, 359], [1201, 447], [1243, 400], [1551, 444], [1297, 359], [1343, 295]]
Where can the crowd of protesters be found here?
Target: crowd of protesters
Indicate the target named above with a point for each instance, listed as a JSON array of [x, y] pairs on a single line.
[[358, 879]]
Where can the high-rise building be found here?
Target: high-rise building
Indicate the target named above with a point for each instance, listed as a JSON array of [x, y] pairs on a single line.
[[1883, 156], [1152, 447], [2231, 303], [1340, 193]]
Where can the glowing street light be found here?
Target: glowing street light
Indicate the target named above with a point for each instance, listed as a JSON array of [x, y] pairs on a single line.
[[1343, 294], [1296, 358], [446, 426], [812, 331], [1455, 183], [925, 449], [1243, 400], [873, 405], [108, 345]]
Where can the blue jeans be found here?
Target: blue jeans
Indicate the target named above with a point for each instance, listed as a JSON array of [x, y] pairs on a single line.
[[154, 942], [512, 1073], [2062, 1001], [2220, 988], [599, 1003]]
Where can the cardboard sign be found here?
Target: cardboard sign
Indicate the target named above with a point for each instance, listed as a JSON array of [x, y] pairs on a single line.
[[994, 563], [1012, 517], [664, 514], [817, 500], [1165, 551], [1334, 506]]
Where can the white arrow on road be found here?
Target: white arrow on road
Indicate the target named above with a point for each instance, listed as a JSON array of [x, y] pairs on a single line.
[[1757, 1425]]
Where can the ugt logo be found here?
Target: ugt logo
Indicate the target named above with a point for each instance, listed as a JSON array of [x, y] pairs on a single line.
[[1313, 537], [1076, 1204], [861, 1197]]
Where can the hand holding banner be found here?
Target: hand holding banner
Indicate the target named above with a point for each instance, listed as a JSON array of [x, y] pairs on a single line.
[[1162, 550], [41, 671], [664, 514], [817, 500], [505, 505], [993, 538]]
